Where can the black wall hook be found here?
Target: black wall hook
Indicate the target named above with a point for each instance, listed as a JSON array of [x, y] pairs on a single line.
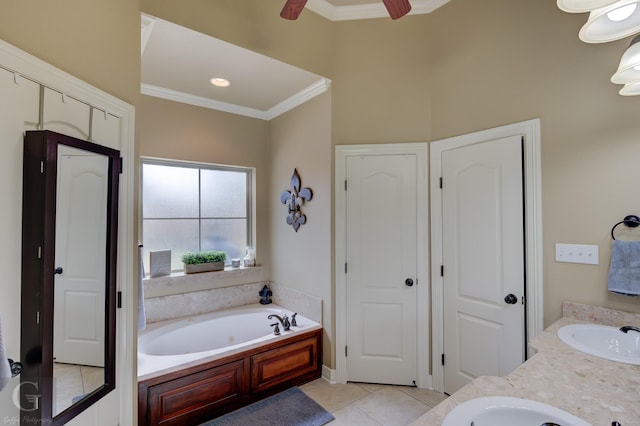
[[632, 221], [16, 367]]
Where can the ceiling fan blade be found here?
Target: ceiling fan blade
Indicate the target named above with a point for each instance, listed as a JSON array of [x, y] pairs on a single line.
[[397, 8], [292, 9]]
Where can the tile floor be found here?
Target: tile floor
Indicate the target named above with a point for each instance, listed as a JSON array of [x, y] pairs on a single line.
[[355, 404], [71, 381]]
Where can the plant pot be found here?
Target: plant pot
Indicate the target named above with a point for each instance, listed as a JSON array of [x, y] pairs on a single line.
[[203, 267]]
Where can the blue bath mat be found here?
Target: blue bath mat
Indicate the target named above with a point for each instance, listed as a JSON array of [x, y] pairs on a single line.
[[288, 408]]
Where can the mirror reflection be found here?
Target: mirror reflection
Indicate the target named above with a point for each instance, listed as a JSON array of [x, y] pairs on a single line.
[[79, 282]]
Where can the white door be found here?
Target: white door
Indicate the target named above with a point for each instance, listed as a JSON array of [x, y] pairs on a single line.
[[81, 231], [381, 269], [483, 260]]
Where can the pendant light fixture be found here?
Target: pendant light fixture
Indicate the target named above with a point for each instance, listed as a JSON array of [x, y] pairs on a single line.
[[581, 6], [629, 68], [613, 22], [631, 89]]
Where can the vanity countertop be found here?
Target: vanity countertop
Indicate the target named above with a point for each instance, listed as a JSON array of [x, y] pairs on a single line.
[[594, 389]]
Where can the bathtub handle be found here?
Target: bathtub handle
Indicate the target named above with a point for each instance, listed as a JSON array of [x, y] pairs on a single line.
[[294, 323], [276, 330]]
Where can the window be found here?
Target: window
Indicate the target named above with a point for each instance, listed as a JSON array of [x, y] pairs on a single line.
[[189, 207]]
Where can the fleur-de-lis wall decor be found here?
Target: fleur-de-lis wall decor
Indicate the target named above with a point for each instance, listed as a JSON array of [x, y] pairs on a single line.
[[294, 198]]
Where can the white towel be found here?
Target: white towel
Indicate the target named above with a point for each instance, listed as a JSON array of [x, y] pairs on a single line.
[[5, 368], [142, 316], [624, 274]]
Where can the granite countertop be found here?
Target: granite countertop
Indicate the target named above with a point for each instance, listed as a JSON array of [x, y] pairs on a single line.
[[597, 390]]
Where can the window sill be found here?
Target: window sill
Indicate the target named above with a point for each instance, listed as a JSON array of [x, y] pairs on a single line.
[[179, 283]]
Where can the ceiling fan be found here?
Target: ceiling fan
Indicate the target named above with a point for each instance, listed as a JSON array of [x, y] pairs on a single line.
[[396, 8]]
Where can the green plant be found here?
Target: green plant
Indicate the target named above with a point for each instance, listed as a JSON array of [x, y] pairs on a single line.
[[203, 257]]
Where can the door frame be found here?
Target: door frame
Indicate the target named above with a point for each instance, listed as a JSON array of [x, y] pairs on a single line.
[[420, 150], [530, 131]]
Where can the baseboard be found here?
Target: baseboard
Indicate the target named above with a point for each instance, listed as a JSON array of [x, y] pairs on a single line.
[[328, 374]]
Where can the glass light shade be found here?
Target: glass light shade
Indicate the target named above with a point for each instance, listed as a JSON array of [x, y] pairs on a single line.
[[629, 68], [581, 6], [608, 23], [631, 89]]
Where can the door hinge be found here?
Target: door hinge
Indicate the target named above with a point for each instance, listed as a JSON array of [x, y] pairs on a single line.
[[345, 351], [442, 359], [345, 267], [442, 270], [41, 167], [38, 317], [121, 167], [522, 298], [345, 184], [119, 300], [441, 183]]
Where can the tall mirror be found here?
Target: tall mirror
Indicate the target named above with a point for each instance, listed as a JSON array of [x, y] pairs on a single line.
[[70, 205]]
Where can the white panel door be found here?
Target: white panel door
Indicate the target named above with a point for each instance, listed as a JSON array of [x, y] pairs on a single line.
[[381, 258], [81, 231], [483, 257]]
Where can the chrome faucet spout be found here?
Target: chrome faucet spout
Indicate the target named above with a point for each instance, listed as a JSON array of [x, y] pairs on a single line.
[[628, 328], [286, 325]]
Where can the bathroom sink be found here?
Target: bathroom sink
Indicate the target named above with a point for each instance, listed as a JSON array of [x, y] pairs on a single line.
[[509, 411], [603, 341]]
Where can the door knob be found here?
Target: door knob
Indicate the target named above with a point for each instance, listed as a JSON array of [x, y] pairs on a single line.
[[58, 270], [408, 282], [510, 299]]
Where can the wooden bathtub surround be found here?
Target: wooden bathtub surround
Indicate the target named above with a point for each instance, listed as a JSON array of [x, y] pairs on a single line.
[[202, 392]]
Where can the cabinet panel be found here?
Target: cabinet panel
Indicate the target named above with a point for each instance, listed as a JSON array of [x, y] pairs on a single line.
[[195, 395], [279, 365]]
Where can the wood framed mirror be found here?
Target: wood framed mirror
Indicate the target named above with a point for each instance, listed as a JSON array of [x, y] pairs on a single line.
[[68, 303]]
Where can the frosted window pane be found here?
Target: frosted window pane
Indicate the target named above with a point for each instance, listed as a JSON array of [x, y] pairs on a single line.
[[177, 235], [224, 194], [169, 192], [229, 235]]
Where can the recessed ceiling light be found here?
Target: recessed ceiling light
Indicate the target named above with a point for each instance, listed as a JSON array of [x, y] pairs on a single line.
[[220, 82]]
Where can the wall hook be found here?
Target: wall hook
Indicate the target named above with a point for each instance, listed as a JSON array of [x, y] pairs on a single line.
[[16, 367]]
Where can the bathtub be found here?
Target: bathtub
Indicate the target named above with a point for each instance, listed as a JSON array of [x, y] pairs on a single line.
[[169, 345]]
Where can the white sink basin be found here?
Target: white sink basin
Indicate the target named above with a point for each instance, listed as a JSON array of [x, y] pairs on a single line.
[[603, 341], [508, 411]]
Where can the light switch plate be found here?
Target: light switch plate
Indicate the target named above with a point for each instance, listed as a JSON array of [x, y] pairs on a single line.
[[577, 253]]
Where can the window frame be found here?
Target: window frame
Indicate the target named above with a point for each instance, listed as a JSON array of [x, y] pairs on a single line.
[[250, 173]]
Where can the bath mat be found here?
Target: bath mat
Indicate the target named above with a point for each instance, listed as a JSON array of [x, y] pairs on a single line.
[[288, 408]]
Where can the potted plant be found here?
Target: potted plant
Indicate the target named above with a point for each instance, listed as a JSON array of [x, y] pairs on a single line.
[[203, 261]]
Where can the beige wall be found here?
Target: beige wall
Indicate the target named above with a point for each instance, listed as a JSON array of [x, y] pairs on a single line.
[[178, 131], [381, 83], [301, 139], [95, 41], [502, 61]]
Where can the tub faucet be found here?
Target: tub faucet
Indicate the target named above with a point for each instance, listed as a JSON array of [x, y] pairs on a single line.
[[627, 328], [286, 325]]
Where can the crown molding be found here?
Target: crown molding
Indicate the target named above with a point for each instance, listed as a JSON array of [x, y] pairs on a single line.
[[369, 10], [299, 98]]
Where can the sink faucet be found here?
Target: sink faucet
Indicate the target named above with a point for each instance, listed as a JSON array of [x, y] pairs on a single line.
[[627, 328], [286, 325]]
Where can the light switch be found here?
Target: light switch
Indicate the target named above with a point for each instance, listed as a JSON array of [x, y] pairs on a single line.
[[577, 253]]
